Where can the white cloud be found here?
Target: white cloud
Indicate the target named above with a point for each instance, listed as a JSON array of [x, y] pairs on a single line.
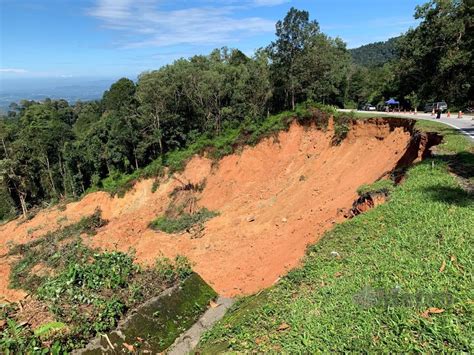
[[12, 70], [112, 9], [146, 23], [269, 2]]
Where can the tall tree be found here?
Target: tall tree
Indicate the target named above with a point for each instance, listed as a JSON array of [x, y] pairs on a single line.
[[294, 34], [437, 57]]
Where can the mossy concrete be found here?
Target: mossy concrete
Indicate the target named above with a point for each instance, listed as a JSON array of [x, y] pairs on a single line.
[[155, 325], [190, 339]]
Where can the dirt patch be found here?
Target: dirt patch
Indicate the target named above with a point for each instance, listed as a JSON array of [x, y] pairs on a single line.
[[34, 313], [268, 212], [367, 202]]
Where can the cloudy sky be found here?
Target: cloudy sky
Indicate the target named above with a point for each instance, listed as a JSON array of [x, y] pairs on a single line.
[[113, 38]]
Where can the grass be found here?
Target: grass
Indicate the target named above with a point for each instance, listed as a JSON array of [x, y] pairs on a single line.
[[381, 186], [183, 222], [85, 290], [395, 279], [453, 142], [117, 184]]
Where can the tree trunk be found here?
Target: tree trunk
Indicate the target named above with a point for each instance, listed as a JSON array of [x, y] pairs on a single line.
[[82, 178], [51, 176], [5, 148], [158, 127], [21, 196], [62, 170], [135, 157]]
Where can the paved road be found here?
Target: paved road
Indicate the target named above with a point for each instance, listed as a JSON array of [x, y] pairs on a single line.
[[465, 124]]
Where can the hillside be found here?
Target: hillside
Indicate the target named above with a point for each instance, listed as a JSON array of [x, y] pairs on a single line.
[[223, 203], [309, 184], [264, 205], [375, 54], [395, 279]]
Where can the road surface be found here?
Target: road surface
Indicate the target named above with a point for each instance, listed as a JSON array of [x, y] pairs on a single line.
[[465, 125]]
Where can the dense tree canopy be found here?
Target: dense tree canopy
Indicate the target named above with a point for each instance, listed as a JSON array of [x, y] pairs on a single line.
[[376, 54], [52, 150], [437, 57]]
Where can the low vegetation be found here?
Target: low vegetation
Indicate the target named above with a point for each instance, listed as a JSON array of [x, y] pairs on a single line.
[[395, 279], [182, 223], [182, 213], [81, 290]]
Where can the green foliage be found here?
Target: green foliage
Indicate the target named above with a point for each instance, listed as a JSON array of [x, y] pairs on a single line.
[[341, 128], [118, 183], [183, 222], [405, 256], [107, 285], [16, 339], [50, 252], [436, 58], [7, 206], [375, 54], [120, 95], [306, 63], [170, 271], [49, 329], [413, 99], [381, 186], [104, 271]]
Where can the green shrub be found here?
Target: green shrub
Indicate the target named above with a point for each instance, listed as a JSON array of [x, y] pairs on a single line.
[[183, 267], [7, 206], [350, 105], [165, 269], [183, 222], [155, 185], [104, 271], [177, 159], [119, 183], [18, 339], [47, 330], [106, 285], [170, 271], [341, 128]]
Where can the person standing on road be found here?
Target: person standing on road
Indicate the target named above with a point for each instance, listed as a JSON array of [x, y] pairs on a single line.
[[438, 113]]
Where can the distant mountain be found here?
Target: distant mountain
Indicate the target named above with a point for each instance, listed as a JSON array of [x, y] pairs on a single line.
[[374, 54], [38, 90]]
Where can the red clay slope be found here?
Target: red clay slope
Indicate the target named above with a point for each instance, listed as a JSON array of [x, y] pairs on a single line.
[[292, 187]]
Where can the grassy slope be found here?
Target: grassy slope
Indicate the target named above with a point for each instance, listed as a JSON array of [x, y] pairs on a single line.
[[419, 243]]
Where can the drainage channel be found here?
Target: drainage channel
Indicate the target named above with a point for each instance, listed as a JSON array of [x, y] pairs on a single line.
[[189, 340], [172, 322]]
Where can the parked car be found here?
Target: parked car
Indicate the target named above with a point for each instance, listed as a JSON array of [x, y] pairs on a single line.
[[436, 105], [369, 107]]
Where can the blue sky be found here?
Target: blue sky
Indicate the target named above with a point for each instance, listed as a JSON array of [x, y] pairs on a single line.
[[114, 38]]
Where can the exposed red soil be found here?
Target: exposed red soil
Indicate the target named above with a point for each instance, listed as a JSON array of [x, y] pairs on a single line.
[[365, 203], [291, 187]]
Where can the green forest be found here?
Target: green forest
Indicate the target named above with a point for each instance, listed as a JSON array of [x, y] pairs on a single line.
[[375, 54], [52, 150]]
